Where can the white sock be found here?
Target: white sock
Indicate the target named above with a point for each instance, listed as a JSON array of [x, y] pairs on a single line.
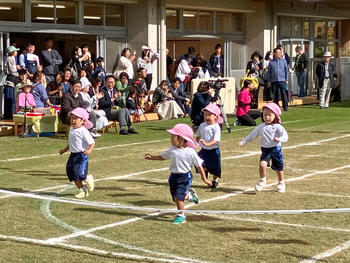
[[182, 214], [190, 197], [217, 179]]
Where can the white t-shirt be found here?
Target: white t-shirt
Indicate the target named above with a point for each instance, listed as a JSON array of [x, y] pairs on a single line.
[[79, 139], [182, 70], [181, 159], [209, 133]]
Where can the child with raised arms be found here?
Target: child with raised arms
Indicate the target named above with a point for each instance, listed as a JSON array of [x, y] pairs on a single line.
[[183, 155], [272, 135], [80, 144], [209, 136]]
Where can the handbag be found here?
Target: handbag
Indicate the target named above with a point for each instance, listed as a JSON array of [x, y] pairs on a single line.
[[250, 77]]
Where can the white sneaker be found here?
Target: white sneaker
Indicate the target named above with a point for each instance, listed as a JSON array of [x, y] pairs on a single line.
[[260, 184], [82, 194], [95, 134], [236, 122], [281, 187], [90, 184]]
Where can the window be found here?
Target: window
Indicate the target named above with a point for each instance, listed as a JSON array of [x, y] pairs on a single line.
[[66, 12], [115, 15], [320, 29], [42, 12], [332, 29], [295, 27], [172, 19], [205, 21], [223, 23], [237, 23], [284, 28], [93, 14], [190, 20], [306, 28], [12, 11]]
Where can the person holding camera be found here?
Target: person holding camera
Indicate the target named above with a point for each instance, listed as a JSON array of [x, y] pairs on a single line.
[[201, 99]]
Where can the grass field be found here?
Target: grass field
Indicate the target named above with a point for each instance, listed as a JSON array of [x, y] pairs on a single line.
[[317, 168]]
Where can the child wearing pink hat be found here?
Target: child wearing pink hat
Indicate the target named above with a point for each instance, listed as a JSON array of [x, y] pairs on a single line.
[[272, 135], [80, 144], [183, 155], [209, 136]]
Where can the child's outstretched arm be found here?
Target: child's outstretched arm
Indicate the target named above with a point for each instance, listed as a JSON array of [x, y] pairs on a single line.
[[64, 150], [89, 150], [251, 136], [154, 157], [204, 178]]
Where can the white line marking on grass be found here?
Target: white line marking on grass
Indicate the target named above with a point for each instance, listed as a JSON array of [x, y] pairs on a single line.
[[326, 228], [320, 194], [90, 250], [328, 253]]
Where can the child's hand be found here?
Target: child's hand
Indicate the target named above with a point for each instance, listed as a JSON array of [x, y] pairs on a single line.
[[148, 156], [61, 151], [276, 139], [87, 151], [203, 142], [240, 144], [208, 183]]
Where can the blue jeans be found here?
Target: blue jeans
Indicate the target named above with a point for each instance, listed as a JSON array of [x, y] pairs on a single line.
[[9, 102], [301, 77], [280, 87]]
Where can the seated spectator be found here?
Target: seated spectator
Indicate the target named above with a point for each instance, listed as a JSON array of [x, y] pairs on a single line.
[[39, 91], [141, 90], [244, 115], [70, 100], [107, 103], [164, 103], [132, 103], [180, 96], [203, 69], [67, 80], [96, 87], [123, 87], [99, 70], [54, 89], [25, 99], [89, 68], [201, 99]]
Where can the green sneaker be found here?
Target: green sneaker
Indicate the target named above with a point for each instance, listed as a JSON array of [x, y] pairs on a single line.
[[179, 220], [195, 198]]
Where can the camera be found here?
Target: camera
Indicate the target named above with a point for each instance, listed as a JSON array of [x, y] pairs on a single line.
[[217, 85]]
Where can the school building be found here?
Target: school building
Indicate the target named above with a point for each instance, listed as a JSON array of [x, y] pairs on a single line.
[[241, 26]]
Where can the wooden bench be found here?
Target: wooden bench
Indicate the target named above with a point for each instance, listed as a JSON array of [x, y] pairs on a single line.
[[110, 125]]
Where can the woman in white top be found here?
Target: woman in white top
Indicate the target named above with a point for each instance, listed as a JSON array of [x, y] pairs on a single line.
[[183, 71], [146, 61], [125, 63]]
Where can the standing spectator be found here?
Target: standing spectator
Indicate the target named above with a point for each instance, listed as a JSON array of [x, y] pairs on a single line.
[[29, 61], [86, 55], [106, 103], [183, 72], [284, 54], [10, 69], [51, 61], [90, 68], [253, 68], [100, 70], [54, 89], [217, 62], [125, 63], [70, 100], [39, 91], [146, 61], [278, 77], [76, 62], [324, 72], [67, 80], [300, 67], [191, 55], [169, 62], [180, 97], [267, 95]]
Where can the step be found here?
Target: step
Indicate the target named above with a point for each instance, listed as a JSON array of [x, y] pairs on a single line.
[[295, 101]]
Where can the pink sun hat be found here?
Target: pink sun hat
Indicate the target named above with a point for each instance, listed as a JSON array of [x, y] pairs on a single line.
[[214, 109], [82, 113], [275, 109], [186, 132]]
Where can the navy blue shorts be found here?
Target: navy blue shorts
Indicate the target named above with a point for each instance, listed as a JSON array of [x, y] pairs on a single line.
[[212, 161], [77, 166], [274, 153], [179, 185]]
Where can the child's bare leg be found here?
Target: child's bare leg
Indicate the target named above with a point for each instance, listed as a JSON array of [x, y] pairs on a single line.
[[262, 169], [180, 206], [79, 184], [280, 175], [281, 186]]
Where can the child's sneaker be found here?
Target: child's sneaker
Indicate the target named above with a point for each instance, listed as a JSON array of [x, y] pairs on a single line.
[[281, 187], [179, 220], [260, 185], [214, 184], [82, 194], [236, 122], [90, 184], [195, 198]]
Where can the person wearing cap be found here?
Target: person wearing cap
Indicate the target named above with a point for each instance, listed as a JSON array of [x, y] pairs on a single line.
[[146, 61], [277, 76], [51, 60], [80, 144], [253, 68], [244, 115], [272, 135], [300, 67], [10, 69], [209, 137], [183, 155], [325, 73], [25, 99]]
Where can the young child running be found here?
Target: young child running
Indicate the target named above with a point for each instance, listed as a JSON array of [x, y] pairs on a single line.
[[80, 144], [209, 136], [182, 154], [272, 135]]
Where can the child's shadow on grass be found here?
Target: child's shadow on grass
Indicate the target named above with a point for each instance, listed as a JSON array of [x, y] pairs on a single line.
[[126, 194], [109, 212], [235, 229], [145, 182], [151, 203], [264, 241]]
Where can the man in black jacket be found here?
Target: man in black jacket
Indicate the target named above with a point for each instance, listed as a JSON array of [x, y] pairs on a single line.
[[300, 67], [108, 101], [70, 100], [324, 72]]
